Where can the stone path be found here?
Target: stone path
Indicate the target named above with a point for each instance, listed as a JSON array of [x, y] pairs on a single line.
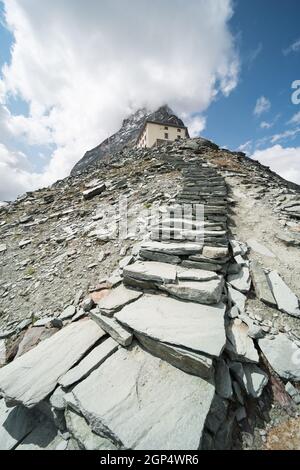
[[181, 344]]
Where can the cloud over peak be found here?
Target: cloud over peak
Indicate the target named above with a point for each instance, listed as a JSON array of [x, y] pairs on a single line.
[[84, 66]]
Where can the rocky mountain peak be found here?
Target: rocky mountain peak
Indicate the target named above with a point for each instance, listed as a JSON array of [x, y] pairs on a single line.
[[126, 135]]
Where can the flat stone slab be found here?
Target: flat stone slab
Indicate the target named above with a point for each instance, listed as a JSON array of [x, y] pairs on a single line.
[[151, 271], [95, 191], [250, 377], [90, 362], [142, 402], [173, 248], [283, 356], [215, 252], [205, 292], [15, 424], [118, 332], [260, 248], [183, 324], [241, 280], [286, 300], [237, 298], [185, 274], [33, 376], [118, 298], [161, 257], [261, 285]]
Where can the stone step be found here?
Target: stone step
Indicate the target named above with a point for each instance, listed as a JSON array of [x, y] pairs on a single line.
[[190, 325], [151, 271], [118, 332], [203, 292], [172, 248]]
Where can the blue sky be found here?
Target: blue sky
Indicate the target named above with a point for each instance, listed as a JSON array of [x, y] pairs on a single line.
[[69, 75], [264, 28]]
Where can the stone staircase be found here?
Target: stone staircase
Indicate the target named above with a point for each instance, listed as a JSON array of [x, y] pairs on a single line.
[[161, 379]]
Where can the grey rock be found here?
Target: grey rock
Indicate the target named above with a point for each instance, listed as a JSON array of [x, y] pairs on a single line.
[[80, 314], [237, 298], [250, 377], [130, 413], [223, 380], [185, 359], [69, 312], [33, 376], [172, 248], [160, 257], [57, 399], [185, 274], [3, 248], [90, 362], [233, 312], [239, 344], [184, 324], [118, 332], [151, 271], [286, 300], [241, 280], [88, 304], [43, 437], [2, 352], [215, 252], [261, 285], [82, 433], [23, 243], [283, 355], [118, 298], [95, 191], [15, 424], [238, 248], [125, 261], [201, 265], [205, 292]]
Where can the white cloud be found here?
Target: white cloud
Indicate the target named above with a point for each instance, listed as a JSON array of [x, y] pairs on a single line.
[[196, 124], [285, 161], [294, 47], [295, 119], [289, 134], [246, 147], [83, 66], [266, 125], [262, 106]]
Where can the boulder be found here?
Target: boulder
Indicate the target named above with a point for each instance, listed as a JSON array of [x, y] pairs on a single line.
[[184, 324], [286, 300], [33, 376], [145, 402], [237, 298], [283, 356]]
